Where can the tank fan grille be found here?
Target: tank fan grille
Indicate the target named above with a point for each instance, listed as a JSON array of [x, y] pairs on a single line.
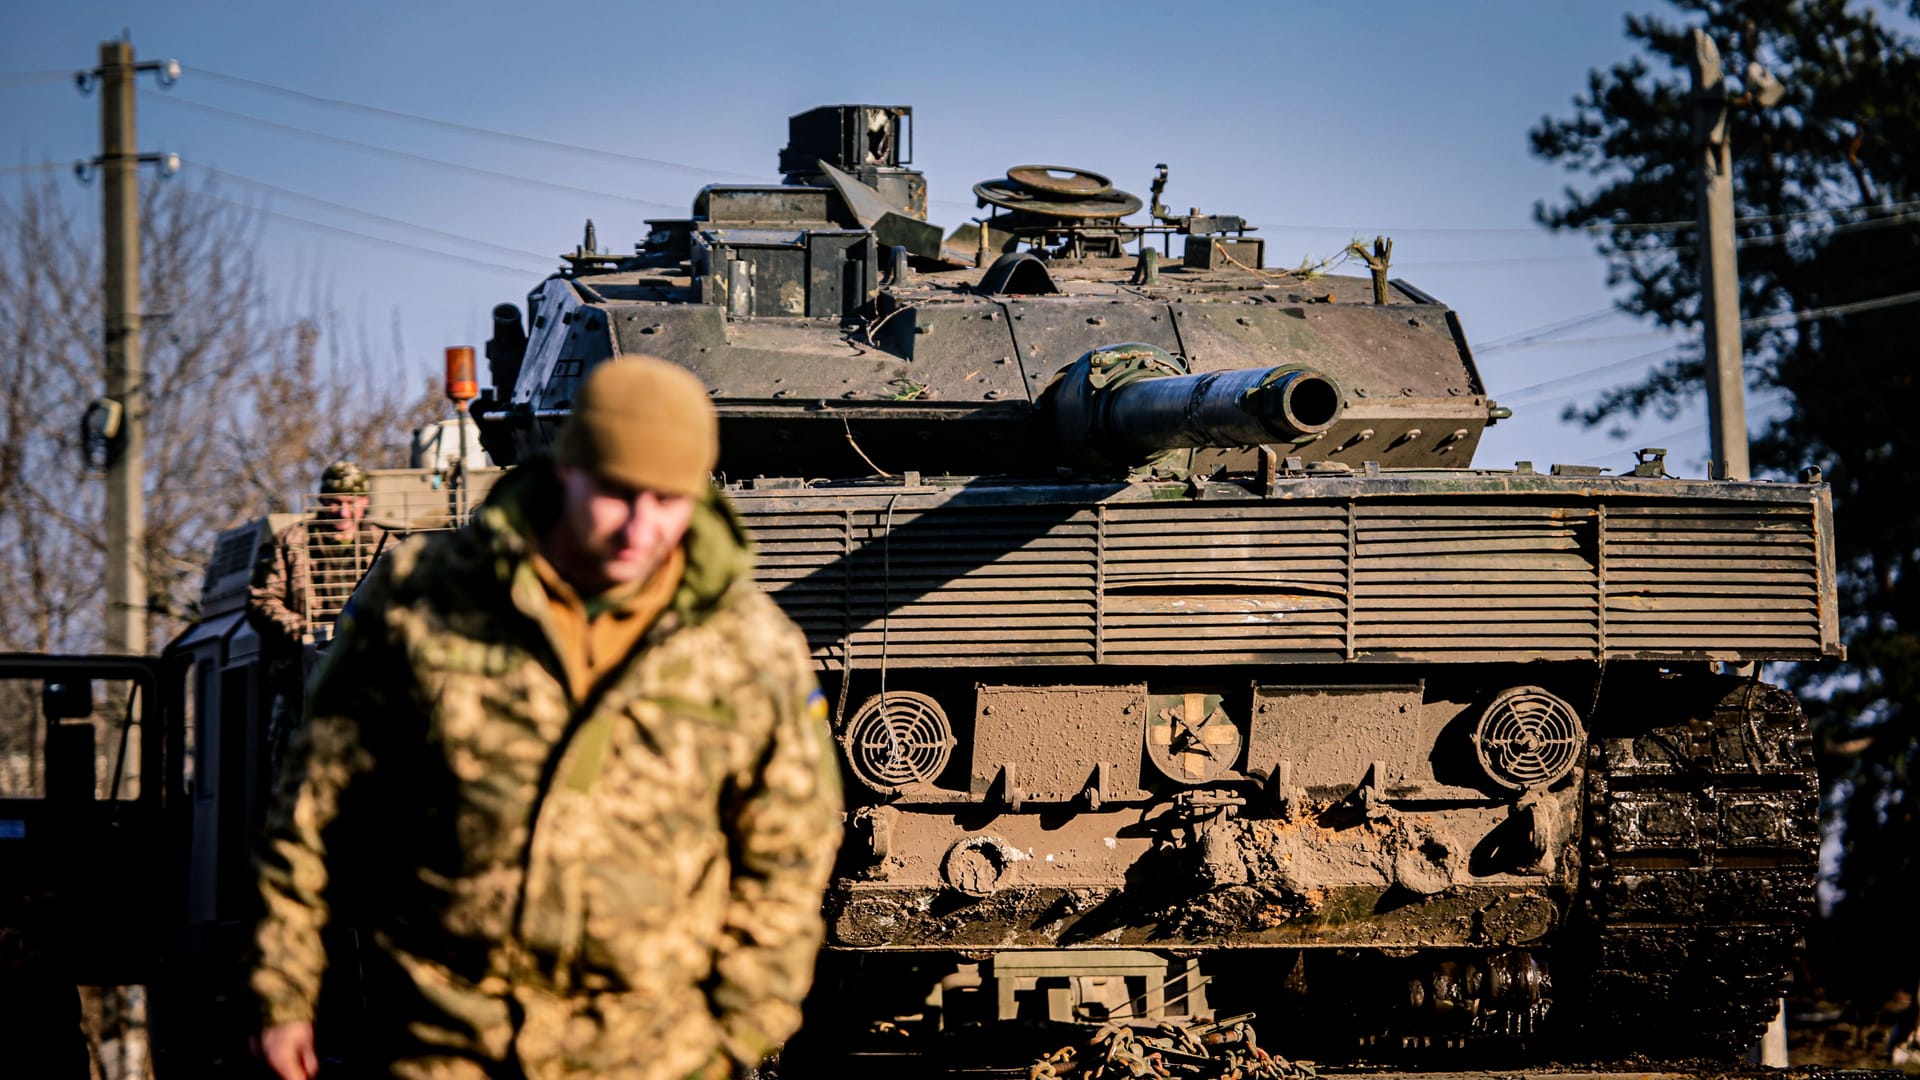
[[1528, 738], [900, 739]]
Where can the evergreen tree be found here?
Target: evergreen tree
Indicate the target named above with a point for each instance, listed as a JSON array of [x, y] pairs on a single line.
[[1825, 185]]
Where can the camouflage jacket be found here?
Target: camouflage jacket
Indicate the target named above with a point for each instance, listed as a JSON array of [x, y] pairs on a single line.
[[303, 576], [629, 888]]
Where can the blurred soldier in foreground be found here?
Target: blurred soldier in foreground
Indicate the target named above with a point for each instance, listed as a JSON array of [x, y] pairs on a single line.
[[307, 574], [569, 768]]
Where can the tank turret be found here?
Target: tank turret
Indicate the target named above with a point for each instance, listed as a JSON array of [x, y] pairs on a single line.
[[842, 335]]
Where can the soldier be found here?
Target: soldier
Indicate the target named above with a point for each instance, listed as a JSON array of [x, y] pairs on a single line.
[[568, 768], [307, 575]]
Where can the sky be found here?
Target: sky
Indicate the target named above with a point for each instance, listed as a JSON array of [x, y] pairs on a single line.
[[1321, 123]]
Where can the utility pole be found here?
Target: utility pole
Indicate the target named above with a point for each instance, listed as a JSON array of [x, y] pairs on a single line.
[[121, 415], [1720, 310], [1719, 279]]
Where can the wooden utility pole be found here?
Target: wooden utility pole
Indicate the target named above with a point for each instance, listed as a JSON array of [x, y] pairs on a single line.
[[1719, 279], [123, 421]]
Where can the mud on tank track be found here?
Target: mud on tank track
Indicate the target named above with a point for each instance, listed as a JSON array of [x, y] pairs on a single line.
[[1701, 842]]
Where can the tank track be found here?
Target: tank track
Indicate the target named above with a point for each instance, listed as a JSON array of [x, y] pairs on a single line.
[[1701, 848]]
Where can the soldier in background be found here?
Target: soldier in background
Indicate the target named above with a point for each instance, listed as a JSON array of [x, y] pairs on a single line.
[[568, 768], [305, 577]]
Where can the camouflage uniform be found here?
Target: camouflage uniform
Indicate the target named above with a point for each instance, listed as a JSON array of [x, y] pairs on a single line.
[[625, 888], [307, 572], [287, 589]]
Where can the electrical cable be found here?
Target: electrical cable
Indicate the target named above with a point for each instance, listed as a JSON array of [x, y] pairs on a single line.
[[1513, 260], [1891, 213], [368, 215], [1758, 322], [308, 133], [1771, 239], [1745, 242], [1794, 318], [521, 273], [1509, 396], [12, 79], [1750, 219], [467, 129], [1549, 329], [1603, 339]]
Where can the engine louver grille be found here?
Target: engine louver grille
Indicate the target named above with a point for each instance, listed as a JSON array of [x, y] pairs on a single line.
[[1478, 582], [1271, 582], [1235, 584], [983, 585], [1710, 578]]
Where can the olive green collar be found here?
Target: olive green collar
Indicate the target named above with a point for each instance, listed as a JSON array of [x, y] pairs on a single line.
[[525, 502]]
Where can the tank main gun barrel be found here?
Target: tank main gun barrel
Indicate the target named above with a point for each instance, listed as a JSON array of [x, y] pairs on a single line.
[[1126, 403], [1245, 407]]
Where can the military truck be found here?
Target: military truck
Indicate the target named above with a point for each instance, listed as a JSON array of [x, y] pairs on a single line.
[[1181, 658], [131, 789]]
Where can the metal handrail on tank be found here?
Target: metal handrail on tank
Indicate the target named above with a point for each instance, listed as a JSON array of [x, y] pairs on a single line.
[[399, 510]]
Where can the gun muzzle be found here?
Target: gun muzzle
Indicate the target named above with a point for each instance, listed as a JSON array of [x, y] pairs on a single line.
[[1123, 404]]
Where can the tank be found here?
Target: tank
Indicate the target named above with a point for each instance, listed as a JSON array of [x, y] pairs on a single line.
[[1182, 659]]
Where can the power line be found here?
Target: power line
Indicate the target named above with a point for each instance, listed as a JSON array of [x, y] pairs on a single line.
[[1749, 219], [1604, 339], [1758, 322], [1511, 260], [368, 215], [308, 133], [1412, 230], [9, 170], [412, 249], [700, 171], [1844, 227], [1562, 380], [1550, 329], [467, 129], [1901, 211], [1793, 318], [12, 79], [1765, 240], [1598, 228], [1787, 318]]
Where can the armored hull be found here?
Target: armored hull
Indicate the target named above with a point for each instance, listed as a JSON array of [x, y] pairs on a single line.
[[1181, 657]]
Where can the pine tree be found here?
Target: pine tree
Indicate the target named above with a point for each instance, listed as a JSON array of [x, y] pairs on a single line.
[[1829, 250]]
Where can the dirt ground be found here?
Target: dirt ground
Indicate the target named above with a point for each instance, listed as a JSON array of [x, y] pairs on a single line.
[[1847, 1035]]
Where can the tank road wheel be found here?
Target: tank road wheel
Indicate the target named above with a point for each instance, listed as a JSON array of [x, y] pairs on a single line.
[[1702, 839]]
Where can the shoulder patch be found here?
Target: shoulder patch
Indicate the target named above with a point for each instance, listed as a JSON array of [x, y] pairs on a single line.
[[817, 706]]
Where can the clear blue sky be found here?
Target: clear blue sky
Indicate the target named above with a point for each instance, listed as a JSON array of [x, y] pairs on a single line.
[[1320, 122]]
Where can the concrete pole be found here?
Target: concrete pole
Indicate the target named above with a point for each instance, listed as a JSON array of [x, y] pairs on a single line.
[[1720, 309], [1719, 278], [126, 458]]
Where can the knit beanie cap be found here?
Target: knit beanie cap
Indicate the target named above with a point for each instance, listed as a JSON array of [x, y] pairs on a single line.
[[644, 423]]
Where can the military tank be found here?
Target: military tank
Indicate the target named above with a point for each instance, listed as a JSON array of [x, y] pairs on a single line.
[[1181, 658]]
